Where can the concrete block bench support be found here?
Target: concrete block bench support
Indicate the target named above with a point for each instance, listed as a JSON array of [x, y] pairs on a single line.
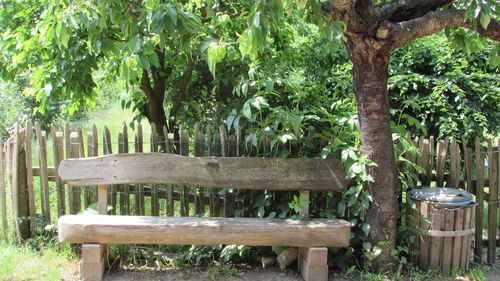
[[310, 236]]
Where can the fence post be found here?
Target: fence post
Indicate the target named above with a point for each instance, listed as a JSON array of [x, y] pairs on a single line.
[[184, 150], [28, 145], [493, 203], [169, 148], [3, 194], [479, 200], [155, 203], [139, 197], [20, 198], [198, 152], [44, 177], [76, 201], [58, 147]]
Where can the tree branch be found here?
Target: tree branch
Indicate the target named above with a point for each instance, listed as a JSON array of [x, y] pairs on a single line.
[[433, 22], [365, 8], [404, 10], [146, 85], [186, 78]]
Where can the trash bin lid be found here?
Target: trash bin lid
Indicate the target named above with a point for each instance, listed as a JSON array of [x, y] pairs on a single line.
[[441, 194]]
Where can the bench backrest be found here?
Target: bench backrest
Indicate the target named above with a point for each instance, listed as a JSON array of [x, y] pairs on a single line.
[[217, 172]]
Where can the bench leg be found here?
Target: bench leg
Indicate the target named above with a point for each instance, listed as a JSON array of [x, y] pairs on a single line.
[[93, 261], [313, 264]]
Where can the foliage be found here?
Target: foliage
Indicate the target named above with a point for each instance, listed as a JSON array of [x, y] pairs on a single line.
[[448, 92]]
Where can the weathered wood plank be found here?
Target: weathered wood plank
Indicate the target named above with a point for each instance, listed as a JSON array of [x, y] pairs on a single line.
[[139, 196], [184, 151], [3, 193], [468, 222], [479, 200], [67, 139], [93, 262], [58, 155], [19, 192], [203, 231], [224, 153], [492, 202], [44, 178], [121, 187], [424, 239], [155, 203], [435, 242], [126, 188], [108, 149], [198, 152], [102, 199], [457, 249], [454, 165], [214, 196], [81, 150], [9, 162], [28, 147], [468, 166], [432, 152], [75, 195], [449, 223], [229, 172], [90, 152], [442, 151], [169, 148]]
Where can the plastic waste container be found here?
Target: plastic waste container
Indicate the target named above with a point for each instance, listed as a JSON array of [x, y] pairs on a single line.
[[443, 218]]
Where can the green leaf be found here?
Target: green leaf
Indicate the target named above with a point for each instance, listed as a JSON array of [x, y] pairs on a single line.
[[215, 54], [256, 20], [484, 19], [247, 111]]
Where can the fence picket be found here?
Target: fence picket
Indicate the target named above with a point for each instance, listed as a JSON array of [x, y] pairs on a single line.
[[8, 169], [139, 197], [155, 203], [75, 195], [198, 152], [184, 150], [468, 166], [479, 200], [44, 177], [14, 182], [121, 187], [3, 193], [28, 146], [108, 149], [442, 151], [492, 210], [169, 148], [58, 151]]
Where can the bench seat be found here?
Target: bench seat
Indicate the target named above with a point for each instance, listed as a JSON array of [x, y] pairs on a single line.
[[203, 231]]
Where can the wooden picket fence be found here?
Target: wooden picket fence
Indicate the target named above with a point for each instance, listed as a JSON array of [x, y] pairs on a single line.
[[447, 163]]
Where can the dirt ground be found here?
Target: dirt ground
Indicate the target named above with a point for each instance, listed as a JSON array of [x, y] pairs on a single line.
[[252, 274], [256, 274]]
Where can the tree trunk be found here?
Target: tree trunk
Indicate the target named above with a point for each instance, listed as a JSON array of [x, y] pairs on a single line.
[[153, 109], [370, 72]]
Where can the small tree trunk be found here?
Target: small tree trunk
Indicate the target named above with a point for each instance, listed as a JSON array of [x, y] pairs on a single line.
[[370, 72]]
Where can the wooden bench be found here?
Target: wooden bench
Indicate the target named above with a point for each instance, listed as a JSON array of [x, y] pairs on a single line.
[[310, 236]]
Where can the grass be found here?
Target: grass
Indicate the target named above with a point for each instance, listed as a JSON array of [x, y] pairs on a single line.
[[25, 263], [413, 273]]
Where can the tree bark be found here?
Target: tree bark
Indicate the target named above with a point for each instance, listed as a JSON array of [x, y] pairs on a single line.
[[370, 73], [153, 109]]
